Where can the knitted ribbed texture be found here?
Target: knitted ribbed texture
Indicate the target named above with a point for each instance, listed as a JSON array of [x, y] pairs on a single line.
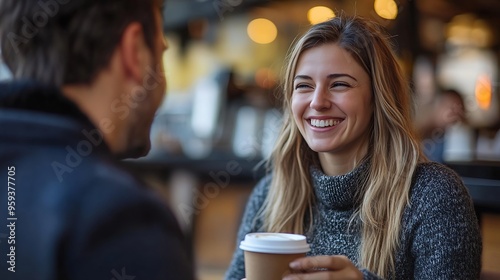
[[439, 238]]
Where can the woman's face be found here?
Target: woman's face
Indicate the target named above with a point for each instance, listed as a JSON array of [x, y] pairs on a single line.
[[332, 101]]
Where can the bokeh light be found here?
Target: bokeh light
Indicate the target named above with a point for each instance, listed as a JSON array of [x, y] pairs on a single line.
[[262, 31], [319, 14], [387, 9]]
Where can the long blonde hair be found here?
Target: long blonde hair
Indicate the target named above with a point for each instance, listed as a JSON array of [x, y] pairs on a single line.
[[393, 152]]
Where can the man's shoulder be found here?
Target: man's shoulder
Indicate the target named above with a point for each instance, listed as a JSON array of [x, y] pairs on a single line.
[[111, 181], [94, 186], [103, 186]]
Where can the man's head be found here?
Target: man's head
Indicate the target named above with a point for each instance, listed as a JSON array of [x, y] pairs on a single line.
[[106, 56], [68, 41]]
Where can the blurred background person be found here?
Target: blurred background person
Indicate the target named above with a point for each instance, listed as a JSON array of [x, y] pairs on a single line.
[[434, 119]]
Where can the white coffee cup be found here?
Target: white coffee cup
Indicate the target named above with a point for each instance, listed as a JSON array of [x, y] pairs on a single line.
[[268, 255]]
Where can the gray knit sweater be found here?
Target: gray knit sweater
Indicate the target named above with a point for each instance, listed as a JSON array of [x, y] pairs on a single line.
[[440, 237]]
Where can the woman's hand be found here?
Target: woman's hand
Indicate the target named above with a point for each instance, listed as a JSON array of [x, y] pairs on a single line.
[[323, 267]]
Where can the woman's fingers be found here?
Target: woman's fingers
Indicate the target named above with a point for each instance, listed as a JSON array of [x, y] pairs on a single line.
[[324, 268], [319, 263], [325, 275]]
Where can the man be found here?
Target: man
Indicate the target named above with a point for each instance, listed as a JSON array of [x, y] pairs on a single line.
[[88, 78]]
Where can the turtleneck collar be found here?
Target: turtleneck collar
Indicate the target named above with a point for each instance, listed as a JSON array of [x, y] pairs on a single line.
[[338, 192]]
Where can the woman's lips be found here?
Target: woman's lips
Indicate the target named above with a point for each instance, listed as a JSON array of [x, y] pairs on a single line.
[[322, 123]]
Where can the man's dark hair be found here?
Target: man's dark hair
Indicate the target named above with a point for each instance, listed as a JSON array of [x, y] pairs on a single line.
[[68, 41]]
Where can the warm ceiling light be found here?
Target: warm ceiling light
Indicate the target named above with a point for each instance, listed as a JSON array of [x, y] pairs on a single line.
[[387, 9], [483, 92], [319, 14], [262, 31]]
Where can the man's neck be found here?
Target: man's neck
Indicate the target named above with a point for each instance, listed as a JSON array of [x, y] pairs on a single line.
[[95, 101]]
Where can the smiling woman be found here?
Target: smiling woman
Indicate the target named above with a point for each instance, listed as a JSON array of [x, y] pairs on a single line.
[[348, 172]]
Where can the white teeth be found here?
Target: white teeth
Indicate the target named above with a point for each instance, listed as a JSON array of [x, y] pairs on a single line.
[[324, 123]]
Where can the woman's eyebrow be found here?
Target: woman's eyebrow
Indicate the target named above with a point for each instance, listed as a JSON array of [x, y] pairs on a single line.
[[331, 76], [305, 77]]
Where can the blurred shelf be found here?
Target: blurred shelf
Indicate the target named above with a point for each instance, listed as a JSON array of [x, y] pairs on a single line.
[[477, 169], [163, 163], [482, 179]]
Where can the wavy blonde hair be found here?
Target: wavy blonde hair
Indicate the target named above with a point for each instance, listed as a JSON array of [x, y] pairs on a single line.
[[393, 151]]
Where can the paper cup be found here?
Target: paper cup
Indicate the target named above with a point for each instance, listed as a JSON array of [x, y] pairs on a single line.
[[268, 255]]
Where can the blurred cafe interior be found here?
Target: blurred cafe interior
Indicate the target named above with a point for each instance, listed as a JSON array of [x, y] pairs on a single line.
[[220, 116]]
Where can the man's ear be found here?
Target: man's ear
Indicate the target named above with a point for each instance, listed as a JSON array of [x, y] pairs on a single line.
[[134, 52]]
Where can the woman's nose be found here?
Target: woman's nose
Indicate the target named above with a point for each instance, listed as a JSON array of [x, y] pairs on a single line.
[[320, 100]]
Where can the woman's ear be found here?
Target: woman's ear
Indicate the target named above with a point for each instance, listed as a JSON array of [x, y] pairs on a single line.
[[134, 52]]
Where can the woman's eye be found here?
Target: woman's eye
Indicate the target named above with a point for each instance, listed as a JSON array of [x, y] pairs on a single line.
[[340, 85], [302, 86]]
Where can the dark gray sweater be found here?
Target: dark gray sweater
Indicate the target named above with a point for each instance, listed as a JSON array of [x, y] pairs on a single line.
[[440, 236]]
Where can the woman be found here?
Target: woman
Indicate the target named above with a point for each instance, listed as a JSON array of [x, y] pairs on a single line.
[[347, 170]]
